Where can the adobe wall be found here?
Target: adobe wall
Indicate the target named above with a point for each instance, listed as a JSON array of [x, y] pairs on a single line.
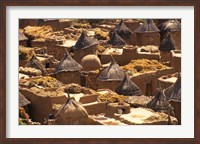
[[91, 79], [40, 107], [164, 84], [177, 37], [148, 82], [144, 39], [95, 108], [23, 43], [165, 56], [177, 110], [80, 53], [57, 51], [132, 40], [68, 77], [112, 85], [36, 43], [176, 63]]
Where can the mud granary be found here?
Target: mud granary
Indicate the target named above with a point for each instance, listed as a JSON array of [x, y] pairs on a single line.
[[99, 71]]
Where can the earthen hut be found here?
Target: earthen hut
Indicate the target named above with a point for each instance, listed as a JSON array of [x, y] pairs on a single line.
[[128, 88], [148, 34], [35, 63], [111, 76], [174, 26], [72, 113], [116, 40], [166, 45], [68, 70], [84, 46], [173, 95], [22, 39]]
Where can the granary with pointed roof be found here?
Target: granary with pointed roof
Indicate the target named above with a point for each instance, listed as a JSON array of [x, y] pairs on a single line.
[[173, 95], [173, 26], [111, 76], [85, 45], [116, 40], [22, 39], [68, 70], [148, 34], [35, 63], [128, 88], [166, 46], [124, 32], [72, 113], [160, 104]]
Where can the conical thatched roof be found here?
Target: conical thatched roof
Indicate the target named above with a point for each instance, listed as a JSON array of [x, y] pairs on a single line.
[[116, 40], [147, 27], [128, 88], [167, 44], [170, 25], [22, 100], [22, 36], [112, 73], [122, 30], [68, 64], [173, 93], [72, 113], [160, 104], [85, 42], [35, 63]]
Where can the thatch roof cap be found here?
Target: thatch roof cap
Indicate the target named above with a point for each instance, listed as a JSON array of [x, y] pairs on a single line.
[[35, 63], [173, 93], [22, 100], [170, 25], [85, 42], [116, 40], [122, 30], [167, 44], [128, 88], [147, 27], [22, 36], [71, 112], [68, 64], [159, 103], [112, 73]]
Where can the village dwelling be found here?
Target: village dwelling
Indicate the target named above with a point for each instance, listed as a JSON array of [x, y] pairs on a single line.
[[35, 63], [174, 26], [68, 70], [124, 32], [23, 40], [173, 95], [116, 40], [128, 88], [148, 34], [72, 113], [111, 76], [166, 45], [84, 46]]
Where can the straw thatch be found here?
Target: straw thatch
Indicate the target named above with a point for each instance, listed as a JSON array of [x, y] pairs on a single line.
[[112, 73], [168, 43], [147, 27], [173, 93], [85, 42], [128, 88], [22, 37], [22, 100], [160, 104], [116, 40], [68, 64], [170, 25], [72, 113], [122, 30], [35, 63]]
